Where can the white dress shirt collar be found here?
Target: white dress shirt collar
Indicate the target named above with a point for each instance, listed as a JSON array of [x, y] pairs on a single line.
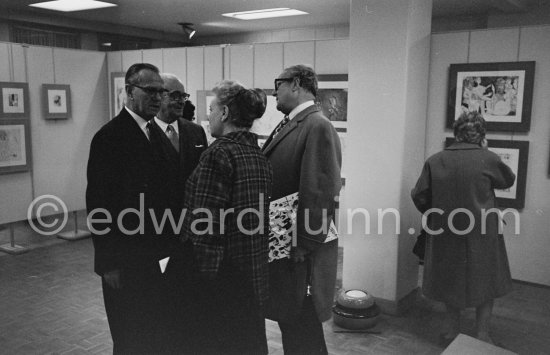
[[300, 108], [163, 125], [142, 123]]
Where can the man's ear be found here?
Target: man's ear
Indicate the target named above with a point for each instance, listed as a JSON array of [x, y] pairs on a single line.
[[129, 92], [295, 84], [225, 113]]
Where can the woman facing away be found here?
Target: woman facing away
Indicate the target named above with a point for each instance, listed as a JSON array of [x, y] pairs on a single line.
[[227, 201], [464, 267]]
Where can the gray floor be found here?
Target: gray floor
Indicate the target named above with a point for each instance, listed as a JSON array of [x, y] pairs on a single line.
[[50, 302]]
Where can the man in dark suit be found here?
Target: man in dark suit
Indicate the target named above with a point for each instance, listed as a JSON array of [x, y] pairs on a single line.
[[304, 150], [123, 184], [178, 143]]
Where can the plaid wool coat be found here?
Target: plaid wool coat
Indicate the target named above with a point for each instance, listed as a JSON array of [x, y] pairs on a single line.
[[233, 177]]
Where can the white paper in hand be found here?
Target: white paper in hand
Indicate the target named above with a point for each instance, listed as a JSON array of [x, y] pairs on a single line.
[[163, 263]]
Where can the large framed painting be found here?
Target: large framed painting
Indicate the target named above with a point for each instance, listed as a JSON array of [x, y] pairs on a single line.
[[262, 126], [332, 99], [501, 92], [15, 150], [15, 100], [56, 101], [118, 92], [514, 154]]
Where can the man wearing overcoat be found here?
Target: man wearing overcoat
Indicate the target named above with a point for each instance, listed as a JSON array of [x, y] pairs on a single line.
[[304, 150]]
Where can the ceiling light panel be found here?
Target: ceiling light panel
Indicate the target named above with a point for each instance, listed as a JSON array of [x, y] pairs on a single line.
[[72, 5], [267, 13]]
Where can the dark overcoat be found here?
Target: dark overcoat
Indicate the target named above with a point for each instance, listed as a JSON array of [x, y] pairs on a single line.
[[463, 267]]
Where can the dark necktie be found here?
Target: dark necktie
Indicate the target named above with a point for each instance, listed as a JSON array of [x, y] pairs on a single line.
[[173, 137], [281, 125]]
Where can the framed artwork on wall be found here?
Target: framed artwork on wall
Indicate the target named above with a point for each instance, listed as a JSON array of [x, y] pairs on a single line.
[[514, 154], [15, 100], [15, 151], [118, 92], [204, 98], [501, 92], [56, 101], [332, 99]]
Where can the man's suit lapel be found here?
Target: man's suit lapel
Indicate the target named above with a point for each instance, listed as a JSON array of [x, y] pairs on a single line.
[[271, 143], [132, 131]]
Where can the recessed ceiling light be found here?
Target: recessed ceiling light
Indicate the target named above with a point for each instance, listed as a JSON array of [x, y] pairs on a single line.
[[267, 13], [72, 5]]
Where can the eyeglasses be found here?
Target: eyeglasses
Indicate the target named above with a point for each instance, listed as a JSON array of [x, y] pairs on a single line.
[[279, 81], [176, 95], [151, 91]]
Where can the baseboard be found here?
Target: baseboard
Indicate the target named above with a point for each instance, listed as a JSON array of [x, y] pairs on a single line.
[[396, 308], [534, 284]]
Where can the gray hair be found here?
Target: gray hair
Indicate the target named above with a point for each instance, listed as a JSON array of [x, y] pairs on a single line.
[[307, 79], [245, 105], [470, 127]]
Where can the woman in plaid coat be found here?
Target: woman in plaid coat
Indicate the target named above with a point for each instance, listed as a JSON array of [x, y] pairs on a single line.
[[227, 208]]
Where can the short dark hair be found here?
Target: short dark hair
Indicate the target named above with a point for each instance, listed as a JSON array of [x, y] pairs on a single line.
[[307, 79], [245, 105], [470, 127], [133, 72]]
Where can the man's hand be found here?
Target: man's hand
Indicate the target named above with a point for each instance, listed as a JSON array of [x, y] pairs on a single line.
[[113, 279], [298, 254]]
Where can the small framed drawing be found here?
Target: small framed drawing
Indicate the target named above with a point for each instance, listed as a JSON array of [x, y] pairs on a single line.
[[56, 101], [15, 152], [501, 92], [514, 154], [15, 100], [118, 92], [332, 99]]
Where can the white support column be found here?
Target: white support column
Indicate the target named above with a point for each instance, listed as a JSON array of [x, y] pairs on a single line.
[[388, 84]]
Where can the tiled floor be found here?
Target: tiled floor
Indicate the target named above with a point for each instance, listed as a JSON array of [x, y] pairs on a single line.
[[51, 303]]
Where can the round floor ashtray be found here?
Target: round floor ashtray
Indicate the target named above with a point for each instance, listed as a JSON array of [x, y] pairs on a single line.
[[355, 319]]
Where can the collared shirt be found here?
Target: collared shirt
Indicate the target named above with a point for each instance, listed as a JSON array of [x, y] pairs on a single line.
[[300, 108], [142, 123], [163, 125]]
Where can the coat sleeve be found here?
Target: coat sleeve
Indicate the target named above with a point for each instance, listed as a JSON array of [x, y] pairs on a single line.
[[422, 192], [101, 195], [500, 174], [320, 183]]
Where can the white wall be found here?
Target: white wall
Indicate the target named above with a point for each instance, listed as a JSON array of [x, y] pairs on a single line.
[[253, 64], [15, 189], [389, 51], [59, 147], [528, 251], [283, 35]]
